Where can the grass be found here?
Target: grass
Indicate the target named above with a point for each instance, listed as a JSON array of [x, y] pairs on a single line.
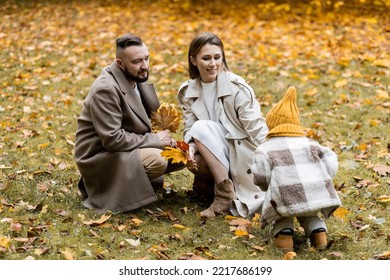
[[339, 69]]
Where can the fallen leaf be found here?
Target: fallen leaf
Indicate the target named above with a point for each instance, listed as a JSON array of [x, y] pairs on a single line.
[[121, 227], [341, 83], [383, 256], [258, 248], [191, 256], [241, 222], [135, 232], [134, 243], [17, 227], [341, 213], [136, 222], [68, 254], [383, 199], [381, 94], [178, 226], [289, 256], [94, 233], [336, 254], [364, 227], [241, 231], [61, 212], [374, 122], [100, 221], [160, 250], [23, 239], [382, 170], [4, 241], [41, 251]]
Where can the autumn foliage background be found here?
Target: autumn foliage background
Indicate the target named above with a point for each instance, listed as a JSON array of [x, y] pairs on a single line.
[[336, 53]]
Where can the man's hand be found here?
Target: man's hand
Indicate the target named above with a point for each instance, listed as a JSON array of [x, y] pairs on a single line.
[[166, 138]]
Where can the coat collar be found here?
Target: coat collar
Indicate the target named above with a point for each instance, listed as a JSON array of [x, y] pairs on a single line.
[[120, 78], [149, 102], [224, 86]]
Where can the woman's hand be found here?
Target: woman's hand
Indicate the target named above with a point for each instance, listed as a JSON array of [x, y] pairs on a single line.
[[191, 163]]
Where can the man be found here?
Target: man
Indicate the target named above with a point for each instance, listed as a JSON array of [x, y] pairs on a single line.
[[116, 151]]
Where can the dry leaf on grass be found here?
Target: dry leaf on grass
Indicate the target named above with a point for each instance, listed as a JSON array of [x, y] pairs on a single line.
[[100, 221]]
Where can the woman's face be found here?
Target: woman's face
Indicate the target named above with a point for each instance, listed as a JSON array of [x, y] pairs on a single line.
[[209, 62]]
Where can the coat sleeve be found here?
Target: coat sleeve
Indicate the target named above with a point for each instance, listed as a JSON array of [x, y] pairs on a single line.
[[261, 170], [188, 115], [249, 113], [329, 158], [106, 113]]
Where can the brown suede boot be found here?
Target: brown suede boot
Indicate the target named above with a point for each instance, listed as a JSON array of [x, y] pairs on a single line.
[[318, 239], [284, 240], [224, 195]]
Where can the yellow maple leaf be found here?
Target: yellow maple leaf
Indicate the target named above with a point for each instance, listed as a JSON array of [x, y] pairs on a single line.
[[241, 231], [4, 242], [175, 154], [341, 213], [166, 117]]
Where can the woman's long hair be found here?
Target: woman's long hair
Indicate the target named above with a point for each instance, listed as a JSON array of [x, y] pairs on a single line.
[[196, 44]]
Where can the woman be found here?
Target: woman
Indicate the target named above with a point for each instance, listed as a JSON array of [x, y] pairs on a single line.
[[223, 126]]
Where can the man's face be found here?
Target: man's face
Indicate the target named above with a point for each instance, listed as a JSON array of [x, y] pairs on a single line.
[[135, 63]]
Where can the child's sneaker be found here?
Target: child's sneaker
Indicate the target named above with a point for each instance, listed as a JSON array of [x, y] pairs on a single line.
[[318, 239], [284, 240]]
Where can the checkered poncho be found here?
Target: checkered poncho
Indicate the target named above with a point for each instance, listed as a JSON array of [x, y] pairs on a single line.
[[296, 173]]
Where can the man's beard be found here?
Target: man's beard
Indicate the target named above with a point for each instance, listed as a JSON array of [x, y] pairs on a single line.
[[136, 78]]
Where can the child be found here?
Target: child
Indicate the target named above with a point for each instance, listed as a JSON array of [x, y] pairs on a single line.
[[296, 173]]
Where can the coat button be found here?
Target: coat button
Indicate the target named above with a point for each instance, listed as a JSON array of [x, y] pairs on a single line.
[[256, 196], [239, 142], [249, 171]]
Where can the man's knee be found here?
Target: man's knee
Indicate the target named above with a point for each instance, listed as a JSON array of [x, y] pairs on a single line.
[[154, 164]]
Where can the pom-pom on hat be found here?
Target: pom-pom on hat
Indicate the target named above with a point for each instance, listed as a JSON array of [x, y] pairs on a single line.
[[283, 119]]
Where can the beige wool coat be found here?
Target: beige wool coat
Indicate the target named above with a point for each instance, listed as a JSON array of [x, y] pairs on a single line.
[[112, 127], [239, 112]]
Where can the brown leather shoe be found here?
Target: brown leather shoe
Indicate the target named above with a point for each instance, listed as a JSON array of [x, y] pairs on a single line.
[[318, 239], [284, 243]]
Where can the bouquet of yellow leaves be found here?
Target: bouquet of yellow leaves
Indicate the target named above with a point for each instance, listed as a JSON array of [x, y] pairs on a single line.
[[167, 117]]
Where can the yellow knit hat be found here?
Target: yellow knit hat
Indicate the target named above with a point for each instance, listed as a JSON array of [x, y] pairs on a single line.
[[283, 119]]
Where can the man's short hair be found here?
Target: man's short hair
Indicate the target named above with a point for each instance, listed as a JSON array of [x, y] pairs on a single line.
[[125, 41]]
